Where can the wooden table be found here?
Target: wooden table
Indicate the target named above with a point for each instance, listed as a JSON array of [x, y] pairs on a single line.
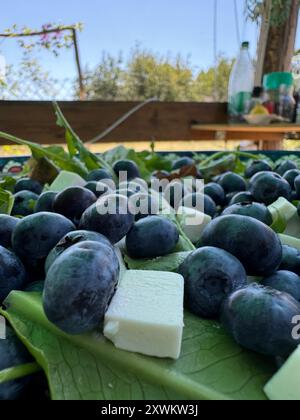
[[269, 137]]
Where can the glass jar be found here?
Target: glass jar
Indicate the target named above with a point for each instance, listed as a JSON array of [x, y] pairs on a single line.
[[287, 103], [279, 88]]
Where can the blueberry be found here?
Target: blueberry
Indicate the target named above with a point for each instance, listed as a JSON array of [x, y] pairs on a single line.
[[7, 226], [210, 275], [128, 166], [125, 192], [200, 202], [251, 241], [109, 216], [175, 192], [242, 197], [257, 166], [181, 163], [294, 196], [70, 239], [285, 166], [261, 319], [267, 187], [12, 273], [229, 197], [25, 202], [284, 281], [256, 210], [73, 201], [297, 186], [99, 175], [290, 259], [13, 353], [45, 202], [137, 185], [79, 287], [231, 182], [98, 188], [152, 237], [142, 205], [27, 184], [36, 286], [290, 177], [215, 192], [36, 235]]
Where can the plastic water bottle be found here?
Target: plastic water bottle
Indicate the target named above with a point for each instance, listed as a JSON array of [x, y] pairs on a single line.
[[241, 84]]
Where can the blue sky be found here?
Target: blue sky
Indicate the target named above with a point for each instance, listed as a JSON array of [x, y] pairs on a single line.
[[164, 26]]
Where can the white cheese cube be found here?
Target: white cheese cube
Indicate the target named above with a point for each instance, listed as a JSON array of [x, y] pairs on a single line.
[[193, 222], [146, 314], [285, 385], [285, 209], [65, 180], [293, 227]]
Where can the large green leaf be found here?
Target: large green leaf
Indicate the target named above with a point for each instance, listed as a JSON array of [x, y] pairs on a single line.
[[141, 163], [217, 167], [6, 201], [115, 154], [169, 263], [17, 372], [157, 162], [211, 365], [75, 144], [55, 154], [8, 182]]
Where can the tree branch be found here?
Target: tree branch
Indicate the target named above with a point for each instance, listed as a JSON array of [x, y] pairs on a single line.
[[37, 33]]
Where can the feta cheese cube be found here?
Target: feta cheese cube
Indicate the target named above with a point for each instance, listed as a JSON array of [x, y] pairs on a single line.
[[146, 314], [193, 222], [285, 385]]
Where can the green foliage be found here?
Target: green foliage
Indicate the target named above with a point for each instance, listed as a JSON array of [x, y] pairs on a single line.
[[55, 154], [52, 37], [143, 75], [146, 75], [17, 372], [170, 262], [30, 76], [106, 79], [8, 182], [76, 146], [279, 13], [6, 201], [88, 367], [213, 83], [149, 75]]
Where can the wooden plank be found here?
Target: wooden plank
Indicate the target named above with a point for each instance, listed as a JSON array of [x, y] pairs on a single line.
[[244, 128], [223, 135], [157, 121]]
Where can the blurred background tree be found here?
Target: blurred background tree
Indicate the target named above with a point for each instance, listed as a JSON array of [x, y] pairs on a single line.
[[213, 84], [142, 75], [146, 75]]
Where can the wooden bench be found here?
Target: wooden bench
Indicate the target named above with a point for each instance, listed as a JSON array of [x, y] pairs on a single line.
[[158, 121], [269, 137]]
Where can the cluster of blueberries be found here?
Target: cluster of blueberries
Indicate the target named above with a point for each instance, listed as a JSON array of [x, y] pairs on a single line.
[[64, 246]]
